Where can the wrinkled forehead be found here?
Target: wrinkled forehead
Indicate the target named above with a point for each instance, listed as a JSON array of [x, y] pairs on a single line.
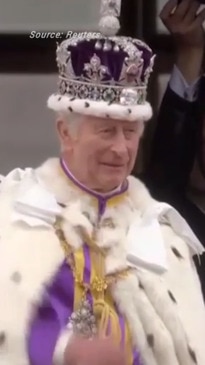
[[105, 122]]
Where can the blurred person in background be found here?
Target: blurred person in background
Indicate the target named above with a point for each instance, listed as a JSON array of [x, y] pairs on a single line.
[[177, 168]]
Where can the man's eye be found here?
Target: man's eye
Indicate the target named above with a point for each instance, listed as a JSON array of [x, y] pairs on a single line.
[[107, 131], [130, 130]]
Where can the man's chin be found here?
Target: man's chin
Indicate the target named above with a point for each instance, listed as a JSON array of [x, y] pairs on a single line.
[[113, 183]]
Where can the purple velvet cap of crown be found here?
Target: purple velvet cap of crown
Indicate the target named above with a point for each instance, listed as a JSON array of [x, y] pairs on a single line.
[[114, 69], [82, 53], [111, 59]]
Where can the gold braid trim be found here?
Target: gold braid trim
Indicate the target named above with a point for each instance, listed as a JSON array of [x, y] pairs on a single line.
[[103, 305], [99, 283]]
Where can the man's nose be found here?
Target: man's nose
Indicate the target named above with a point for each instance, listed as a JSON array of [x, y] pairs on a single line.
[[119, 145]]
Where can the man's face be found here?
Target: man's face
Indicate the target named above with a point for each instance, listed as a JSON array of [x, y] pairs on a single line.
[[103, 153]]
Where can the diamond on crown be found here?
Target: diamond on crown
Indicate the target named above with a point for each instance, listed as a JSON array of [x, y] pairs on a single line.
[[95, 71], [129, 96]]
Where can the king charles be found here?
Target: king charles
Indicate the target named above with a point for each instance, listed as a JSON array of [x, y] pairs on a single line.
[[86, 254]]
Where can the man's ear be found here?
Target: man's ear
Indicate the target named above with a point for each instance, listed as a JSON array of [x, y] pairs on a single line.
[[63, 132]]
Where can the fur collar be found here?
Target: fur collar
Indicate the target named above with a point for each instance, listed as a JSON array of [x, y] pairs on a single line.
[[51, 175]]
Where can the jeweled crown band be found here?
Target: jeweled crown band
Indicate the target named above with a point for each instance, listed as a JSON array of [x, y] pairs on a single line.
[[110, 94]]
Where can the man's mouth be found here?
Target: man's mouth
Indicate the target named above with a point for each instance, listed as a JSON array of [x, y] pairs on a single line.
[[112, 165]]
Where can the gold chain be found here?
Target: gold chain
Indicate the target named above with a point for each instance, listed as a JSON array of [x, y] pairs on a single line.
[[98, 284]]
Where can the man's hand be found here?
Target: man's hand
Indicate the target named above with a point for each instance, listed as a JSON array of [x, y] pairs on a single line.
[[185, 23], [93, 352]]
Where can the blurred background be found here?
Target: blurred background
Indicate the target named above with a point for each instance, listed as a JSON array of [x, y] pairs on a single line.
[[28, 72]]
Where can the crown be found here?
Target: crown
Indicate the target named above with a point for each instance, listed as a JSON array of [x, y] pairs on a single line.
[[113, 69], [104, 67]]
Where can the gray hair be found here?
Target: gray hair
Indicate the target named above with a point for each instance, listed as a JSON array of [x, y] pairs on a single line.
[[72, 120]]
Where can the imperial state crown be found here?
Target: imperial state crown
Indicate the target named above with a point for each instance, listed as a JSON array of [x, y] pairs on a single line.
[[104, 75]]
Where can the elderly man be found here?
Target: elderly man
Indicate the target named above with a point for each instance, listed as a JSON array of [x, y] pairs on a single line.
[[92, 269]]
